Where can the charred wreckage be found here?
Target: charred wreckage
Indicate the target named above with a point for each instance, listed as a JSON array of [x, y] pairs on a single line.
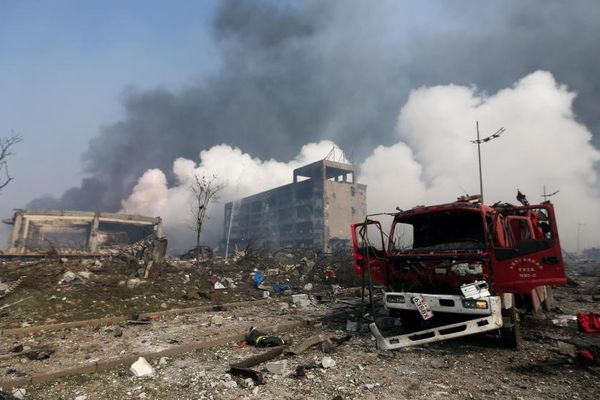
[[460, 268]]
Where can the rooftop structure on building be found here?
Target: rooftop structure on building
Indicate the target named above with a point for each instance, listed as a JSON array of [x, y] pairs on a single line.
[[314, 211]]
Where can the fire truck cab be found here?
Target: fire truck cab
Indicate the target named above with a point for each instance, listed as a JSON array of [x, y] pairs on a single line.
[[460, 268]]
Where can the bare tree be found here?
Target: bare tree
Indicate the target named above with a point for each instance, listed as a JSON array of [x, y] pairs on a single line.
[[6, 146], [205, 190]]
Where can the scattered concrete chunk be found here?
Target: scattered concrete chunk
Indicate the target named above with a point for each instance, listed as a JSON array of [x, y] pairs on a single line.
[[297, 298], [230, 283], [217, 320], [69, 277], [308, 287], [141, 368], [327, 362], [230, 384], [301, 300], [219, 286], [133, 283], [118, 331], [307, 343], [351, 326], [248, 383], [85, 275], [19, 393], [277, 367]]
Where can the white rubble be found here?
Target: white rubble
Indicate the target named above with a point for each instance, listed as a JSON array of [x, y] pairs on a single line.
[[301, 300], [230, 384], [141, 368], [277, 367], [217, 320], [351, 326], [230, 283], [327, 362], [69, 277], [85, 275]]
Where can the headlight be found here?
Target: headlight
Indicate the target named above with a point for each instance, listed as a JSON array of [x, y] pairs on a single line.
[[479, 304], [394, 298]]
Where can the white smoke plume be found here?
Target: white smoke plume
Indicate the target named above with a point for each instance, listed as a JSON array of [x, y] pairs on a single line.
[[241, 175], [543, 145], [433, 161]]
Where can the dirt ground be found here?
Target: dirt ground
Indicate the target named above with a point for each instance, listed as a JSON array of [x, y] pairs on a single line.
[[468, 368]]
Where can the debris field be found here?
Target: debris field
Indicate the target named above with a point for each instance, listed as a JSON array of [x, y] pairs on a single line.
[[183, 333]]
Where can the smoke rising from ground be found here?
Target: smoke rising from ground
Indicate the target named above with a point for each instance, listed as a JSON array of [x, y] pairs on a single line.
[[433, 160], [544, 145], [294, 73], [240, 173]]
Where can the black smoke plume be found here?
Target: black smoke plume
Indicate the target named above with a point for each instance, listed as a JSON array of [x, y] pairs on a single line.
[[298, 72]]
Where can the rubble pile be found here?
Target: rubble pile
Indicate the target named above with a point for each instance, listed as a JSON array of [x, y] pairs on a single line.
[[332, 357], [135, 279]]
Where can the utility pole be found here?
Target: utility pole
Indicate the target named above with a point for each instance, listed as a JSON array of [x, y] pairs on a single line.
[[478, 142], [579, 225], [546, 195]]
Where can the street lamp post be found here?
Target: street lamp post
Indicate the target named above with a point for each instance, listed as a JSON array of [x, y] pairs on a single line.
[[479, 141], [546, 195], [579, 225]]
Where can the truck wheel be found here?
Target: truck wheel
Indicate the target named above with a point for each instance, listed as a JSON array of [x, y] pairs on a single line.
[[510, 333], [411, 320]]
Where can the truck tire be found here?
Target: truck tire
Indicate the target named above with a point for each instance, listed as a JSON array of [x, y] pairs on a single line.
[[411, 320], [510, 333]]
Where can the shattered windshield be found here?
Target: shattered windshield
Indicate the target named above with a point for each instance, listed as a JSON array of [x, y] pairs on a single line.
[[440, 231]]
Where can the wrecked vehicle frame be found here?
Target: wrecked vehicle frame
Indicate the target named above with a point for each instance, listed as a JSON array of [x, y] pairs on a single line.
[[513, 249]]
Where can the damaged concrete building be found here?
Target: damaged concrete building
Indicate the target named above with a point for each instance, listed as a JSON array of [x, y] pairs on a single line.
[[314, 211], [77, 231]]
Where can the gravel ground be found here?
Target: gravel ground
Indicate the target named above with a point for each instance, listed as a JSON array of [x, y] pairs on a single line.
[[455, 370], [469, 368]]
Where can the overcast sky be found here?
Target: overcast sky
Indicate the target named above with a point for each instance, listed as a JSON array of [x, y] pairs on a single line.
[[149, 81]]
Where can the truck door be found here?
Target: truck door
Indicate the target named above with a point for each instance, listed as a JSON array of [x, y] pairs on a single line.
[[369, 246], [529, 255]]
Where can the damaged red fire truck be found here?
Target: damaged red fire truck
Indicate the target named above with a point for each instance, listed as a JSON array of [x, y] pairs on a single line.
[[461, 268]]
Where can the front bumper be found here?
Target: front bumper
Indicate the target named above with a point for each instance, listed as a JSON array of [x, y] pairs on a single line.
[[437, 302], [486, 320]]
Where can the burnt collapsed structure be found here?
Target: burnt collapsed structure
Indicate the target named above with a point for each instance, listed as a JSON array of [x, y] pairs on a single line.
[[77, 231], [314, 211]]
